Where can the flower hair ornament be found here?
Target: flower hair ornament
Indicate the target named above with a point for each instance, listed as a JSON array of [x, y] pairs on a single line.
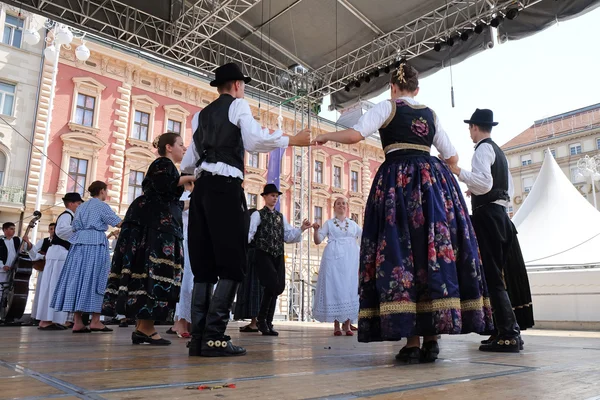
[[400, 73], [155, 141]]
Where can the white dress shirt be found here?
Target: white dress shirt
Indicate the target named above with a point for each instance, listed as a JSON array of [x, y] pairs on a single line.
[[64, 230], [290, 234], [479, 180], [254, 137], [376, 117], [34, 253]]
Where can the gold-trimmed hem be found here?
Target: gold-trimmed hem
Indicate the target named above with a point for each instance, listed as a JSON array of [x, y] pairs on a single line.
[[164, 261], [425, 307]]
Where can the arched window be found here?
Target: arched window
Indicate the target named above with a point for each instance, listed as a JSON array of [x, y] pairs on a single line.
[[2, 167]]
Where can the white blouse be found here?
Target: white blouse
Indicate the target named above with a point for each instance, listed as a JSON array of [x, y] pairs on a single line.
[[376, 117]]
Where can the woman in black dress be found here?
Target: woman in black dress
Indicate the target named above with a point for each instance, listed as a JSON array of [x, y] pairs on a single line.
[[147, 265]]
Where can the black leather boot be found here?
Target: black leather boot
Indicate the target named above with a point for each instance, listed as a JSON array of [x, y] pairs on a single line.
[[272, 306], [508, 339], [214, 341], [201, 296], [263, 313]]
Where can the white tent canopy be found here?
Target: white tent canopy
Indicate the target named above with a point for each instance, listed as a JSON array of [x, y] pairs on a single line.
[[557, 226]]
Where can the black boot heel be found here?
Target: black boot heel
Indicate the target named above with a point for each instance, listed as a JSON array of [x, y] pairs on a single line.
[[430, 352], [410, 355]]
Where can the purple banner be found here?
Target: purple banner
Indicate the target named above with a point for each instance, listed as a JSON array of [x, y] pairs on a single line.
[[274, 168]]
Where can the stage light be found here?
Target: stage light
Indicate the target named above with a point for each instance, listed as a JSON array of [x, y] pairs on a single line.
[[386, 69], [437, 47], [512, 13], [496, 21], [376, 73], [479, 29], [367, 78], [347, 88], [357, 84], [450, 41], [397, 64], [465, 35]]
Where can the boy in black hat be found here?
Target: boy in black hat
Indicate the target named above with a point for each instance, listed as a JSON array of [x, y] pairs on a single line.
[[490, 188], [218, 221], [269, 230]]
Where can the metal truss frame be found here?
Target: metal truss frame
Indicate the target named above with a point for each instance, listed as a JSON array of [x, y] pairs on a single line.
[[190, 39]]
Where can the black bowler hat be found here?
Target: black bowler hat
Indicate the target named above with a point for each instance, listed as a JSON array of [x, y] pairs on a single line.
[[270, 188], [482, 117], [228, 72], [72, 197]]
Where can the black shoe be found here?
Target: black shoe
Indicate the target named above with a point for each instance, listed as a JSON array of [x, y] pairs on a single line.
[[214, 341], [123, 324], [272, 331], [488, 340], [430, 351], [201, 297], [503, 345], [409, 355], [266, 329], [138, 337], [221, 348]]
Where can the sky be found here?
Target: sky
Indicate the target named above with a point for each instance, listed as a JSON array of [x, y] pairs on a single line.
[[549, 73]]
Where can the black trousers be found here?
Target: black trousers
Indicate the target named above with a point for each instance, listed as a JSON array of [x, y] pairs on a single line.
[[271, 274], [495, 237], [218, 229]]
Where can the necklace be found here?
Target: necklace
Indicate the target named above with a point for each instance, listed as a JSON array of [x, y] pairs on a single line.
[[336, 223]]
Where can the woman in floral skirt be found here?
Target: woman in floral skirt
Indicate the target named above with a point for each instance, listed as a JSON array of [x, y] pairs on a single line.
[[147, 265], [420, 270]]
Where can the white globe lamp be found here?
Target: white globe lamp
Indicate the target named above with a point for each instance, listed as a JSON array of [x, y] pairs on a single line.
[[31, 37], [50, 53], [63, 35], [82, 52]]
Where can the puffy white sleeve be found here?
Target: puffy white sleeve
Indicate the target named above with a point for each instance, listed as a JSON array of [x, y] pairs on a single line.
[[254, 223], [358, 230], [191, 156], [34, 251], [291, 234], [63, 229], [441, 141], [255, 137], [374, 119], [324, 231], [479, 180]]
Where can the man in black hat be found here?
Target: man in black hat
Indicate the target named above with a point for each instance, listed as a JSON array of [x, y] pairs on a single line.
[[218, 221], [56, 255], [490, 188], [270, 230]]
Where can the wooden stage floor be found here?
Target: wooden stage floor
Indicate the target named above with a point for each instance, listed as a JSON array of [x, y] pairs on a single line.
[[305, 362]]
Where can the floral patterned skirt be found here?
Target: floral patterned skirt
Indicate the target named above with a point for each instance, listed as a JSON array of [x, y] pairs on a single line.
[[146, 274], [420, 269]]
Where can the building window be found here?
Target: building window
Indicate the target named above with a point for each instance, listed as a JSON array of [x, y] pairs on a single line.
[[552, 151], [253, 160], [135, 185], [141, 125], [526, 160], [252, 200], [13, 31], [2, 167], [77, 175], [354, 181], [7, 98], [174, 126], [337, 177], [84, 112], [598, 143], [354, 217], [575, 149], [510, 211], [318, 171], [298, 166], [576, 176], [318, 217], [527, 184]]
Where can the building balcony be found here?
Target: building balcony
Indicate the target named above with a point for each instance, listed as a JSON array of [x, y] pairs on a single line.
[[12, 197]]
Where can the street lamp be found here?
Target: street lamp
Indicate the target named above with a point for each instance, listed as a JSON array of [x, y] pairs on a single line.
[[58, 35], [590, 167]]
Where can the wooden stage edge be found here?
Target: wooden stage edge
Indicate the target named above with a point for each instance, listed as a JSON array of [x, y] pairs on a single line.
[[305, 362]]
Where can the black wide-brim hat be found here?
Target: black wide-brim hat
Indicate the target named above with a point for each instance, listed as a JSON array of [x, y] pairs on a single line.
[[482, 117], [270, 188], [229, 72], [72, 197]]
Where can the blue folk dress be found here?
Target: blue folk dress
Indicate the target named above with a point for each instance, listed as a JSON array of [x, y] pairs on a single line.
[[82, 281], [420, 269]]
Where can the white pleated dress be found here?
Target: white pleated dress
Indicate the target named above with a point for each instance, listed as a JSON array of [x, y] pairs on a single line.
[[336, 297]]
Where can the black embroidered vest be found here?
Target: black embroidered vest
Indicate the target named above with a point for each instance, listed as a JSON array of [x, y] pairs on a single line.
[[216, 138], [499, 171], [46, 245], [269, 234], [412, 124], [58, 241]]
